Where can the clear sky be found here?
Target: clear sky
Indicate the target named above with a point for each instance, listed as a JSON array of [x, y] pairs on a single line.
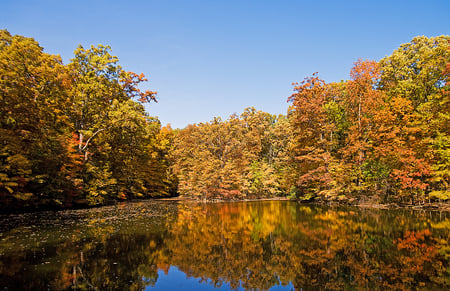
[[211, 58]]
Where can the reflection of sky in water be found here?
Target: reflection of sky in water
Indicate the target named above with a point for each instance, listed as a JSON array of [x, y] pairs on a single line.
[[177, 280]]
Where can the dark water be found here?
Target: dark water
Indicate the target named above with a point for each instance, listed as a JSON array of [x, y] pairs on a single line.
[[276, 245]]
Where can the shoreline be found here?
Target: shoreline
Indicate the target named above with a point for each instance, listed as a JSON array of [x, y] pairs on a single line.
[[427, 206], [362, 205]]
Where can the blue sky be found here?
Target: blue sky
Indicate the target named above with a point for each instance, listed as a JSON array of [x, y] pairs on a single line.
[[214, 58]]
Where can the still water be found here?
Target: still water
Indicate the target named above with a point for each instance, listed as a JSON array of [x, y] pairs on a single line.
[[276, 245]]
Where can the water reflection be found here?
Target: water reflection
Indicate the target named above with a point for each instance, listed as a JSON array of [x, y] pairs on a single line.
[[248, 245]]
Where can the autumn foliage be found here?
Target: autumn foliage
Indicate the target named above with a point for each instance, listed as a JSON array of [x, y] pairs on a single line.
[[381, 136], [78, 134], [242, 157]]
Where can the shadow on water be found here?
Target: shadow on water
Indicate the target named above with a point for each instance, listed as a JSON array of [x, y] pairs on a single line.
[[242, 245]]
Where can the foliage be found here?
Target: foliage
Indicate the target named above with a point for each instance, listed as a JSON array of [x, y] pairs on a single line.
[[79, 134], [381, 136], [34, 129], [236, 158], [74, 133]]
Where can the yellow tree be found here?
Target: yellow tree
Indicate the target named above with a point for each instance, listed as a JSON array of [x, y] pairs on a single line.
[[113, 129], [265, 143], [34, 126]]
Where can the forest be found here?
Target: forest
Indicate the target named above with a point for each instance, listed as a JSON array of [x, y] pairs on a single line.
[[77, 134]]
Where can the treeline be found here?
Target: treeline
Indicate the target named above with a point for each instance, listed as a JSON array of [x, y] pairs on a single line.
[[383, 136], [78, 134], [244, 156]]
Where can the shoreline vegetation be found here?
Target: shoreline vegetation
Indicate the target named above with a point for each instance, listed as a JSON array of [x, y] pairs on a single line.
[[77, 135]]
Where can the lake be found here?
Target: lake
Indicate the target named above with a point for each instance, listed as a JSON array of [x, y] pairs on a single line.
[[264, 245]]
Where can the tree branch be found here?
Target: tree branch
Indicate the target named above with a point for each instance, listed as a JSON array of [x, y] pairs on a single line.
[[95, 133]]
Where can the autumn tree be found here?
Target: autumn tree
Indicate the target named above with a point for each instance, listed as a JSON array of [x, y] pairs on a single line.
[[35, 129], [362, 101], [416, 74], [75, 133], [265, 143], [242, 156], [209, 158], [114, 132], [380, 135], [313, 135]]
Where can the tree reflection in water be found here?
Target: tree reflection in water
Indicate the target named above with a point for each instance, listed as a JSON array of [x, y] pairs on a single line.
[[245, 245]]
